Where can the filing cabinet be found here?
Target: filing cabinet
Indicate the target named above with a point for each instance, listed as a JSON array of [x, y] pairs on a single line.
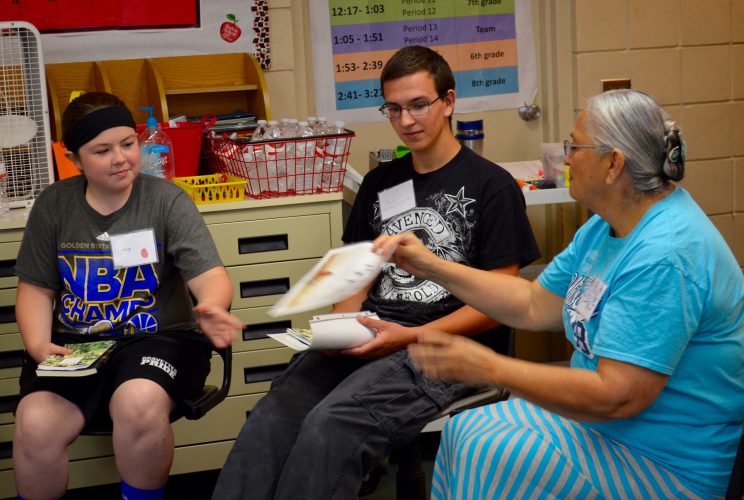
[[266, 246]]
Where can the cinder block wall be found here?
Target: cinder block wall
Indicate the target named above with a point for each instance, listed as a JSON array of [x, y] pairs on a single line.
[[689, 54]]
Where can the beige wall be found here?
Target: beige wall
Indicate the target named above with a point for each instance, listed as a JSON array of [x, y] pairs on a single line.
[[689, 54]]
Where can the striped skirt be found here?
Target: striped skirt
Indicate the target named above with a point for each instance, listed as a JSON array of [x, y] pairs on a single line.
[[516, 449]]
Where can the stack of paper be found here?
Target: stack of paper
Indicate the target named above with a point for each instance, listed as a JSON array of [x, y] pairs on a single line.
[[328, 331]]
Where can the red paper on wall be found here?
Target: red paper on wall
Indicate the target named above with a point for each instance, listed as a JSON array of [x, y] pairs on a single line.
[[55, 16]]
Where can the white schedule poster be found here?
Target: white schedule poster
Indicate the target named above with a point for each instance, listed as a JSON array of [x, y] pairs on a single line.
[[488, 43]]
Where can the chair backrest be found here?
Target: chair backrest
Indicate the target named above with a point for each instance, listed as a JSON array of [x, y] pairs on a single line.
[[736, 481]]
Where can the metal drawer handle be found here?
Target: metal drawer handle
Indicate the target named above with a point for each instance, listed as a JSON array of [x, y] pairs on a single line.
[[260, 330], [263, 287], [11, 359], [6, 268], [7, 403], [258, 244], [7, 314], [262, 373], [6, 449]]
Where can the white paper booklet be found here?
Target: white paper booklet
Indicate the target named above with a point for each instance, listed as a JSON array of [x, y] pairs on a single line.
[[328, 331], [341, 272]]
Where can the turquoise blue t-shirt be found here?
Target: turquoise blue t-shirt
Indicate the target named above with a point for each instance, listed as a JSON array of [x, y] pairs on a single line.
[[668, 297]]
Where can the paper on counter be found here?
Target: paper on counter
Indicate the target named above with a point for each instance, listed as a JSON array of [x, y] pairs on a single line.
[[524, 170]]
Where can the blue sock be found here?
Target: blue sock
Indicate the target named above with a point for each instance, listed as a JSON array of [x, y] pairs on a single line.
[[129, 492]]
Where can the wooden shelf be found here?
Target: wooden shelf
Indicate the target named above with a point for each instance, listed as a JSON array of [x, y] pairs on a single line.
[[197, 90], [180, 85]]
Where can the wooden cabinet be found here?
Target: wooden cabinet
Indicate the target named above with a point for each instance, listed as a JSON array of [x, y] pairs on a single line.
[[266, 245], [179, 85]]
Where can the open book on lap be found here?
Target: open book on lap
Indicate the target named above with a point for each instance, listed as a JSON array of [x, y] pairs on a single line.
[[328, 331], [85, 359]]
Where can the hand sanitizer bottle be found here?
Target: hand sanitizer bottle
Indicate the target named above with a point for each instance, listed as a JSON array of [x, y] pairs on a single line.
[[156, 149]]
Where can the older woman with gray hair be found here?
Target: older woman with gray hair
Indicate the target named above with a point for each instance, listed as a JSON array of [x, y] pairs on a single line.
[[651, 298]]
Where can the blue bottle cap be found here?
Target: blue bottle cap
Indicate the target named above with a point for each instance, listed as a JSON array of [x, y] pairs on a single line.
[[470, 125]]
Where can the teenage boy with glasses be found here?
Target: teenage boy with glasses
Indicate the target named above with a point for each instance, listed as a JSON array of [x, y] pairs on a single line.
[[330, 418]]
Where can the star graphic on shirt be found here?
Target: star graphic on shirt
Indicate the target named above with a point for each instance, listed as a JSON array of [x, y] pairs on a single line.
[[458, 202]]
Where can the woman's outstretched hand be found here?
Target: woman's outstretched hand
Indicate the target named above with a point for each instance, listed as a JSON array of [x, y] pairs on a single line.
[[455, 358]]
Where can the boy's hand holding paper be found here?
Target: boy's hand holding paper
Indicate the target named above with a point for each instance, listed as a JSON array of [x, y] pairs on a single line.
[[329, 332]]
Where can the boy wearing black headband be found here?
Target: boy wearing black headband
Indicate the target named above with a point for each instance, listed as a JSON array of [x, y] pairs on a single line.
[[113, 255]]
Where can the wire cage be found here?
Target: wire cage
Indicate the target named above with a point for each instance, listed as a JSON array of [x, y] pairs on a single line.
[[25, 149], [271, 168]]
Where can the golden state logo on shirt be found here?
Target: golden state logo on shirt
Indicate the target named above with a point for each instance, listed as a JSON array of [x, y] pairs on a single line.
[[98, 298]]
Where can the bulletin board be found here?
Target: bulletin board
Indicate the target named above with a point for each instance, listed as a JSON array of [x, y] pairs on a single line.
[[94, 30], [489, 45]]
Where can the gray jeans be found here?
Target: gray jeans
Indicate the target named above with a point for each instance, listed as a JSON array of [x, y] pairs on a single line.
[[326, 422]]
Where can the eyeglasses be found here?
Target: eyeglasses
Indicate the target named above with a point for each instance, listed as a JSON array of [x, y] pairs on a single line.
[[569, 147], [415, 109]]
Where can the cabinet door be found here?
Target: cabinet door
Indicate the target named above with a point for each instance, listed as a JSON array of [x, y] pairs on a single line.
[[7, 311], [221, 423], [253, 371], [260, 285], [272, 240], [259, 325], [8, 253]]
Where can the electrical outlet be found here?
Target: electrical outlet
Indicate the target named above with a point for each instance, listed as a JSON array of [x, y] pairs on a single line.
[[615, 83]]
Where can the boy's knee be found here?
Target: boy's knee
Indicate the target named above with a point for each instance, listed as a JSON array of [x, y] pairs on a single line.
[[140, 406]]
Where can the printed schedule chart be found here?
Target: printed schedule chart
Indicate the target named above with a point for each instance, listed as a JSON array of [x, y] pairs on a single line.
[[478, 38]]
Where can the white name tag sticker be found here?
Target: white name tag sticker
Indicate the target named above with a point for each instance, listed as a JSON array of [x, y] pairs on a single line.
[[590, 298], [396, 200], [134, 249]]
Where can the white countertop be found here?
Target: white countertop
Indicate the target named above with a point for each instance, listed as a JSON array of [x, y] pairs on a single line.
[[547, 196]]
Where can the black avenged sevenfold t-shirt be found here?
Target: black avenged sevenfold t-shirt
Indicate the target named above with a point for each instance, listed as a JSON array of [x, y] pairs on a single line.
[[469, 211]]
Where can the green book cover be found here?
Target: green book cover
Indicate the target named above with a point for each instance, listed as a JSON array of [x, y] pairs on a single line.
[[84, 360]]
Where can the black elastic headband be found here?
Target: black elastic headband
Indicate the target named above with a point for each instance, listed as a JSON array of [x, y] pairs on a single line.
[[96, 122]]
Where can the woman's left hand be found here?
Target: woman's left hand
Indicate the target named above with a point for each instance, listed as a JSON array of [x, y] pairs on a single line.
[[455, 358], [217, 324]]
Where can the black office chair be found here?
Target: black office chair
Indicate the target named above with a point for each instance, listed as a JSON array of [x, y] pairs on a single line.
[[735, 489], [210, 397]]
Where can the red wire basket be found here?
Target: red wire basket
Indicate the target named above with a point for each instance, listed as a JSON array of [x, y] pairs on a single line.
[[271, 168]]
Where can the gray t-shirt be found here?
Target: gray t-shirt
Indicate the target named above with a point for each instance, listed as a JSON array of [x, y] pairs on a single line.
[[66, 248]]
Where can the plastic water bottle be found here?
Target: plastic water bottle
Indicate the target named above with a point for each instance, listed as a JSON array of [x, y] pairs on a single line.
[[260, 131], [321, 128], [275, 157], [156, 149], [4, 203], [292, 131], [305, 157], [334, 158]]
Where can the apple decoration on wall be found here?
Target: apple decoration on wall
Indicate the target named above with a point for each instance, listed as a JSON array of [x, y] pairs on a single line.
[[229, 31]]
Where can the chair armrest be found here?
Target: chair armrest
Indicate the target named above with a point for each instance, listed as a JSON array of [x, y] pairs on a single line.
[[212, 396], [482, 398]]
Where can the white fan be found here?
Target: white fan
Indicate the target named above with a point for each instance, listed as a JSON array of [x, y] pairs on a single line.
[[25, 148]]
